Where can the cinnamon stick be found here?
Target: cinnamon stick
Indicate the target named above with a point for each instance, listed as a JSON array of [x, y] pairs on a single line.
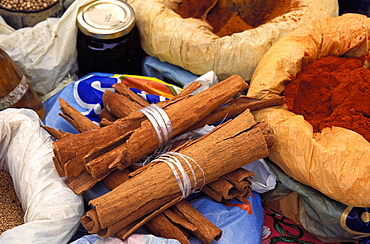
[[118, 105], [81, 183], [57, 134], [178, 219], [240, 178], [71, 151], [107, 118], [167, 224], [161, 226], [236, 107], [127, 92], [234, 184], [216, 196], [75, 118], [223, 188], [206, 231], [228, 147], [182, 114], [106, 115], [192, 87]]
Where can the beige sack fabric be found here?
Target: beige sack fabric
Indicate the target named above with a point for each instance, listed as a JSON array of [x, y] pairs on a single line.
[[336, 161], [190, 43]]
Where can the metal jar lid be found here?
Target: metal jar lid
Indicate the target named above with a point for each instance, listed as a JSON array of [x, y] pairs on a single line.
[[106, 19]]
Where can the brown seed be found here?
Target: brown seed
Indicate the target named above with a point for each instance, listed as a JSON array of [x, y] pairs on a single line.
[[11, 212], [29, 5]]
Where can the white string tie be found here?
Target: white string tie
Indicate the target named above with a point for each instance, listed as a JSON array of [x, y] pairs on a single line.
[[184, 181], [160, 121]]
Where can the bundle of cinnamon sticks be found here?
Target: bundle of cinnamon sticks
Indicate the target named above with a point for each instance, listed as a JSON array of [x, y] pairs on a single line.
[[176, 222], [137, 200], [126, 135]]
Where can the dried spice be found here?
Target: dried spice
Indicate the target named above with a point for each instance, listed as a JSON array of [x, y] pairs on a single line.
[[339, 89], [122, 211], [11, 212], [234, 25], [228, 17], [168, 211], [27, 5]]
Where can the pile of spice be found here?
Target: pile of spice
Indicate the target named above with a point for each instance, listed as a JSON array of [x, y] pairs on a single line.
[[332, 91], [26, 5], [228, 17], [11, 212]]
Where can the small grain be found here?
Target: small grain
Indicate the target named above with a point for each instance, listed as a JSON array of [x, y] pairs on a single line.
[[11, 212]]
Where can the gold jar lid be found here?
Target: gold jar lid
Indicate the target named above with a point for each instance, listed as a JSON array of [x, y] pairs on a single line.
[[106, 19]]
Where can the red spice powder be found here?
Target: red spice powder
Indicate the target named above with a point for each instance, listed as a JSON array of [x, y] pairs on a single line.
[[236, 16], [332, 91]]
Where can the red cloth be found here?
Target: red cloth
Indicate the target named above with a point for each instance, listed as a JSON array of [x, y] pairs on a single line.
[[279, 229]]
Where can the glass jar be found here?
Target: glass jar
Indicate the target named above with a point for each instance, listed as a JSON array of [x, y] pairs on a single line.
[[15, 91], [108, 40]]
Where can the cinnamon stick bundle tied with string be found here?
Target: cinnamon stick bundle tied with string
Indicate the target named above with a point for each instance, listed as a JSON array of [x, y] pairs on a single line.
[[71, 157], [135, 136], [199, 162], [84, 180], [176, 222], [146, 139]]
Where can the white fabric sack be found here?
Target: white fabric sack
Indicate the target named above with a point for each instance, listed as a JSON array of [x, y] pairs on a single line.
[[46, 53], [52, 209]]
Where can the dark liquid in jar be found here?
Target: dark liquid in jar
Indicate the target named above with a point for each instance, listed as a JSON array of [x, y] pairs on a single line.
[[121, 55]]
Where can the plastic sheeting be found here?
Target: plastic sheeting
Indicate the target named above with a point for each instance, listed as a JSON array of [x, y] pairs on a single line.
[[52, 210], [329, 220]]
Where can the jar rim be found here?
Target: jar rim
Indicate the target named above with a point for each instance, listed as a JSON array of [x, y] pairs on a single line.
[[106, 19]]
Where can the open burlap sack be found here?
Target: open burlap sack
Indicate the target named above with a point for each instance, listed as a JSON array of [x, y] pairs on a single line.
[[335, 161], [191, 44]]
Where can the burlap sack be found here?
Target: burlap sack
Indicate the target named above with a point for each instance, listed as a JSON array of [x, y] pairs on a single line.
[[335, 161], [191, 44]]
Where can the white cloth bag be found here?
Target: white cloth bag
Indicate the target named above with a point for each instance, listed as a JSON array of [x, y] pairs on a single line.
[[52, 209]]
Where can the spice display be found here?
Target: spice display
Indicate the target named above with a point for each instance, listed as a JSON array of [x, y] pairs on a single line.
[[167, 212], [228, 17], [107, 137], [11, 212], [15, 91], [339, 89], [26, 5]]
